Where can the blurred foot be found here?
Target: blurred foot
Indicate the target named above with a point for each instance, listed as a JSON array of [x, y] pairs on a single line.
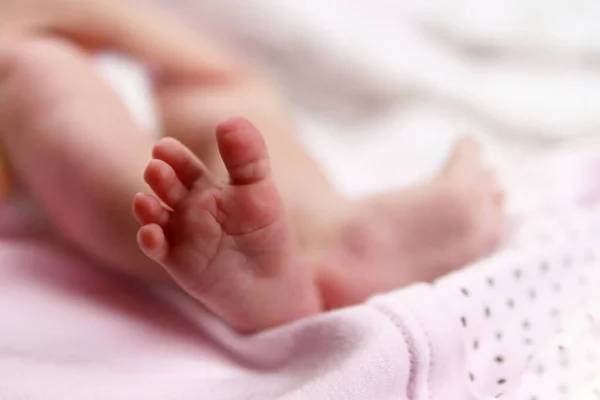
[[417, 234]]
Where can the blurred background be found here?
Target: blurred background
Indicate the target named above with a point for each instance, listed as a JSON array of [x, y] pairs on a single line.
[[380, 89]]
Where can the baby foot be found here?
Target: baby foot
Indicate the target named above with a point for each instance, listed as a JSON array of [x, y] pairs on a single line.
[[473, 192], [417, 234], [229, 245]]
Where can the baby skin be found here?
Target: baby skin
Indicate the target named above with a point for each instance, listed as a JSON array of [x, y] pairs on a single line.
[[269, 246], [232, 247]]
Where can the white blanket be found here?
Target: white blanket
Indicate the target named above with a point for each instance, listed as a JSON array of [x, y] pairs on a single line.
[[381, 88]]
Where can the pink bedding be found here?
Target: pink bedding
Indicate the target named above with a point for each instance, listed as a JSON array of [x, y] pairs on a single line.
[[521, 325]]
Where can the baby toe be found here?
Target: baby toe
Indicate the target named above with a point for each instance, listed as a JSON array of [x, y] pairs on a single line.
[[161, 177], [151, 240], [243, 151], [188, 168], [148, 210]]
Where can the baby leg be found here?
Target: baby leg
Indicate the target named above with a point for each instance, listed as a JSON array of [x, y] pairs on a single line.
[[75, 149], [355, 248]]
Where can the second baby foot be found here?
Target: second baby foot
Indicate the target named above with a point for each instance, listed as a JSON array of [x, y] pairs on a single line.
[[417, 234], [229, 245]]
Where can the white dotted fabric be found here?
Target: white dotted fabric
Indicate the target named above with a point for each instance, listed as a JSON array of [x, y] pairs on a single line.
[[530, 315]]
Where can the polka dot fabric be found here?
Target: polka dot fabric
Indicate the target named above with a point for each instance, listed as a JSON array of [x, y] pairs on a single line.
[[530, 315]]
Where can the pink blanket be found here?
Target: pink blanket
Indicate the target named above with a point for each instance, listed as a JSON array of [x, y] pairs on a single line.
[[70, 331], [521, 325]]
